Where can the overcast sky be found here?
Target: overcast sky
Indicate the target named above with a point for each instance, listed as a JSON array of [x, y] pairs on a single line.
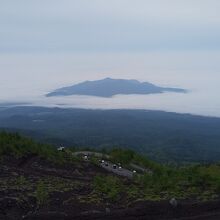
[[45, 44], [109, 25]]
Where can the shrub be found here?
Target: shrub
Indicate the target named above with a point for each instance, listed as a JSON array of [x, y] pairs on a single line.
[[42, 194], [110, 186], [122, 155]]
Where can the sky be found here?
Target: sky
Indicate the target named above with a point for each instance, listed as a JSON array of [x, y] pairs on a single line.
[[47, 44], [116, 25]]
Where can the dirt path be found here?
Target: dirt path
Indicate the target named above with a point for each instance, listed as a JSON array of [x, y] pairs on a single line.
[[115, 169], [107, 165], [91, 153]]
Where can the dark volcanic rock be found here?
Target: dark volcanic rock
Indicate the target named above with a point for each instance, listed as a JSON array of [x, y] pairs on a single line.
[[17, 200]]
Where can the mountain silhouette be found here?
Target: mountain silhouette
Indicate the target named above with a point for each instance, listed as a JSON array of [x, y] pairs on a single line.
[[109, 87]]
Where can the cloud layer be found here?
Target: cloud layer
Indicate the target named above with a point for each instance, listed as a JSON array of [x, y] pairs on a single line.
[[116, 25]]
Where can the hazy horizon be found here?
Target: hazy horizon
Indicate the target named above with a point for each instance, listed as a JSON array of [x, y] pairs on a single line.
[[168, 43]]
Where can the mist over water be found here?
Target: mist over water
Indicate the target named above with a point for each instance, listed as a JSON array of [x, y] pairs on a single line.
[[28, 77]]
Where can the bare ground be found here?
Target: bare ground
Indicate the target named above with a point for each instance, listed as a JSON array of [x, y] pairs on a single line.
[[68, 199]]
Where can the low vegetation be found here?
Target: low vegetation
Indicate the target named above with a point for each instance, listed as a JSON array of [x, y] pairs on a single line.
[[110, 187], [163, 182], [41, 194], [13, 144]]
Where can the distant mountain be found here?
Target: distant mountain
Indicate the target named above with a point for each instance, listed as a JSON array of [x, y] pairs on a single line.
[[109, 87]]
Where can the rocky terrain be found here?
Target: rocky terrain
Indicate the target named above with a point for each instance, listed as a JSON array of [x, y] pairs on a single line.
[[34, 188]]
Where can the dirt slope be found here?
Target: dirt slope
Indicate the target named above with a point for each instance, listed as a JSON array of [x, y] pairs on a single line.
[[71, 195]]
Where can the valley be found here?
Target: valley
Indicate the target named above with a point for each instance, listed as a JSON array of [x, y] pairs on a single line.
[[162, 136]]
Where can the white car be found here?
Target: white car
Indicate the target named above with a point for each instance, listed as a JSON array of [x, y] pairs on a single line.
[[60, 148]]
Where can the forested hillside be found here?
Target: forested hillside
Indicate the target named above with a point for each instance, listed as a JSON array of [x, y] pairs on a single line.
[[162, 136]]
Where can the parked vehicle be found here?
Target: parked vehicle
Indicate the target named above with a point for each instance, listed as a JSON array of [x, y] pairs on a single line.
[[114, 166], [61, 148], [85, 157]]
